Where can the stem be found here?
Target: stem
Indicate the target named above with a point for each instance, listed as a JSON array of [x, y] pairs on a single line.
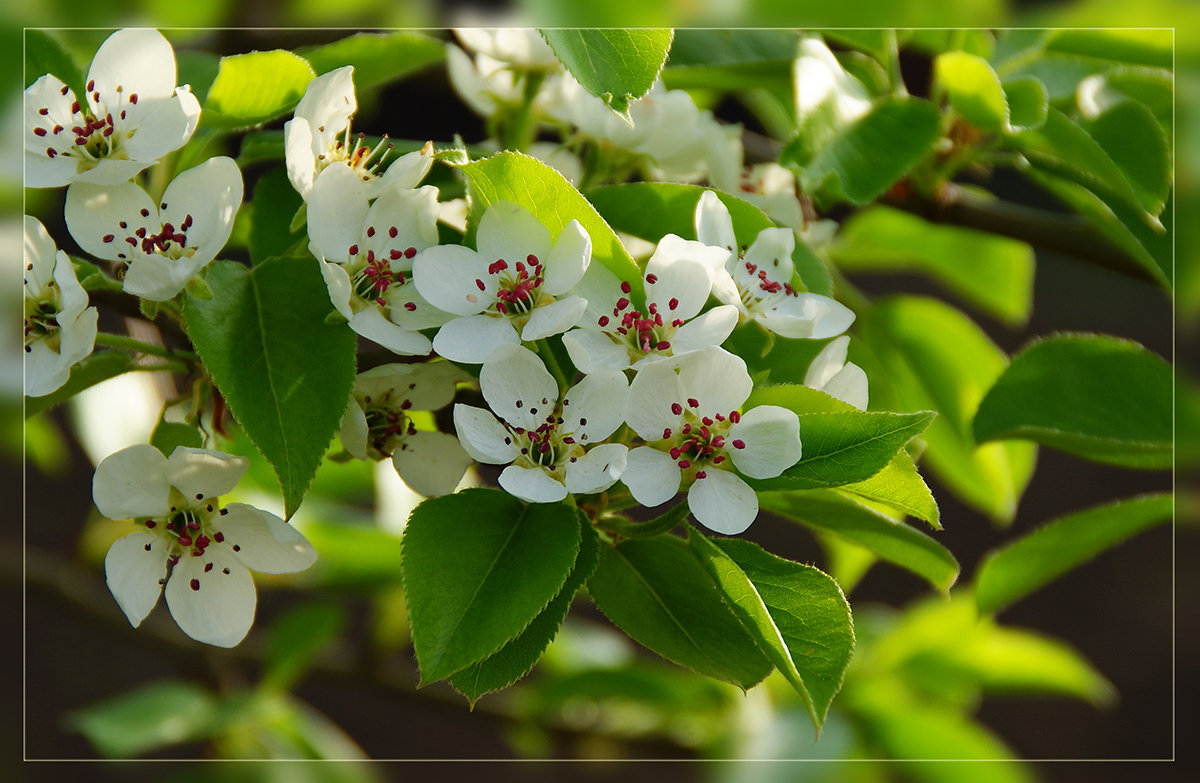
[[895, 77], [163, 367], [137, 346]]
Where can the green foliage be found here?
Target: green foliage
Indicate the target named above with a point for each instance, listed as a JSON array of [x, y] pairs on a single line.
[[44, 54], [358, 556], [730, 59], [169, 435], [296, 639], [285, 373], [378, 58], [976, 92], [1098, 397], [273, 204], [1033, 561], [151, 717], [100, 366], [899, 486], [616, 66], [656, 591], [252, 88], [1131, 136], [479, 566]]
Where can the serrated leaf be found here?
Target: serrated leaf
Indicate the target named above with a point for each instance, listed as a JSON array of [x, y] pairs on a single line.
[[1014, 571], [44, 54], [901, 487], [479, 566], [894, 541], [651, 210], [973, 89], [1135, 141], [1028, 103], [285, 373], [615, 65], [255, 87], [1098, 397], [796, 614], [273, 205], [100, 366], [151, 717], [378, 58], [838, 446], [656, 591], [516, 658], [992, 272]]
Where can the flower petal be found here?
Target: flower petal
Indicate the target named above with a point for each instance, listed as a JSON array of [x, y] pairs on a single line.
[[426, 386], [652, 476], [597, 470], [595, 407], [132, 483], [554, 318], [409, 309], [112, 171], [135, 568], [158, 278], [446, 276], [45, 172], [711, 328], [723, 503], [298, 153], [163, 125], [214, 606], [412, 213], [204, 473], [827, 363], [532, 485], [810, 316], [263, 542], [353, 431], [407, 171], [849, 385], [652, 396], [337, 212], [772, 251], [210, 194], [592, 350], [715, 378], [714, 226], [337, 279], [371, 324], [569, 259], [683, 273], [136, 60], [517, 386], [772, 441], [472, 339], [431, 463], [509, 231], [327, 105], [482, 436], [94, 212]]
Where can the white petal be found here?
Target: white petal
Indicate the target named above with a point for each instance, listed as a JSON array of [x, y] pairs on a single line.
[[595, 406], [95, 211], [772, 251], [327, 104], [848, 385], [715, 378], [569, 259], [220, 610], [722, 502], [196, 472], [158, 278], [41, 252], [597, 470], [711, 328], [682, 275], [472, 339], [211, 194], [138, 60], [264, 542], [517, 386], [771, 436], [337, 279], [809, 316], [651, 475], [163, 125], [299, 156], [601, 288], [467, 82], [135, 568], [714, 226], [592, 350], [337, 213], [353, 431], [531, 485], [112, 171], [554, 318], [409, 309], [45, 370], [510, 232], [431, 463], [44, 172], [371, 323], [446, 276], [412, 213], [426, 386], [132, 483], [482, 436], [652, 397], [408, 170], [78, 336], [827, 363]]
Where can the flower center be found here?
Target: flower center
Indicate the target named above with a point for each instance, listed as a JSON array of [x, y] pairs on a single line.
[[94, 131], [373, 274], [189, 527], [359, 157], [519, 289], [547, 446], [41, 313], [756, 286], [702, 441], [171, 241], [640, 333], [387, 427]]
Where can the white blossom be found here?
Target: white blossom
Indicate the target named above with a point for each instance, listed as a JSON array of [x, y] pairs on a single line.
[[824, 89], [60, 329], [201, 551], [554, 446], [162, 245], [132, 115], [832, 374], [519, 46]]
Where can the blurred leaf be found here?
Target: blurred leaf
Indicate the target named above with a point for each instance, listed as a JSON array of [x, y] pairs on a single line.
[[169, 435], [296, 639], [1152, 87], [253, 88], [1155, 48], [198, 70], [100, 366], [1034, 560], [847, 563], [615, 65], [146, 719], [796, 614], [1099, 397], [973, 89], [352, 555], [284, 372], [378, 58], [877, 43], [651, 210], [1028, 102], [1007, 660], [936, 41], [44, 54], [479, 566], [1135, 141], [730, 59], [901, 487], [273, 204], [656, 591], [991, 272], [517, 657], [1060, 75]]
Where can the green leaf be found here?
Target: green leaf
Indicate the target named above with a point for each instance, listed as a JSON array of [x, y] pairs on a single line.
[[44, 54], [615, 65], [252, 88], [513, 176], [1152, 87], [730, 59], [656, 591], [901, 487], [284, 372], [92, 278], [973, 89], [170, 435], [1034, 560], [478, 567], [1098, 397], [1135, 141], [934, 357], [991, 272], [867, 157], [651, 210], [795, 613], [100, 366], [378, 58], [296, 639], [894, 541], [839, 447], [362, 556], [273, 204], [1151, 47], [516, 658], [152, 717], [1028, 103]]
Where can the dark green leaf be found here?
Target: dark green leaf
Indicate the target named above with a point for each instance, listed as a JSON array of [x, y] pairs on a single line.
[[44, 54], [296, 639], [516, 658], [273, 204], [1028, 102], [901, 487], [378, 58], [170, 435], [197, 70], [253, 88], [1033, 561], [100, 366], [478, 567], [730, 59], [656, 591], [1135, 141], [615, 65], [1098, 397], [285, 373], [152, 717], [92, 278]]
